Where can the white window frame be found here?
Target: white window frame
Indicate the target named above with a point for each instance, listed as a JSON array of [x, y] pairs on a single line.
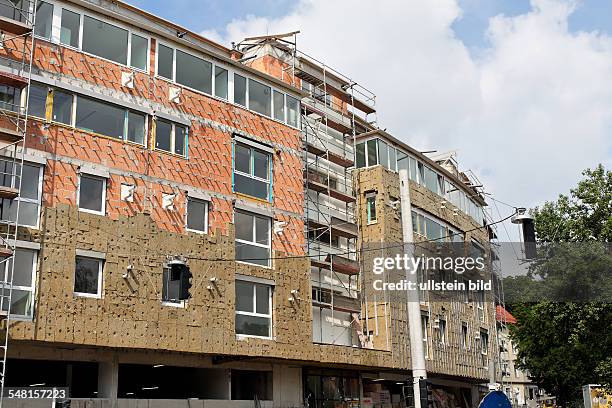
[[54, 6], [255, 314], [442, 328], [425, 337], [371, 198], [206, 211], [170, 303], [98, 294], [465, 339], [257, 244], [31, 289], [104, 187], [173, 126], [38, 202], [56, 31], [268, 181]]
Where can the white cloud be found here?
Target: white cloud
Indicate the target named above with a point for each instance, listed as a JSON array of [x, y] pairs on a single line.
[[527, 114]]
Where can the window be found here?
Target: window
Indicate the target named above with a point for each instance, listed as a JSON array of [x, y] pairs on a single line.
[[171, 286], [170, 137], [253, 309], [442, 330], [105, 40], [99, 117], [251, 171], [24, 277], [484, 342], [197, 215], [92, 194], [252, 238], [193, 72], [431, 180], [139, 48], [279, 106], [221, 82], [88, 277], [383, 154], [371, 208], [360, 155], [165, 58], [136, 127], [62, 107], [392, 159], [251, 385], [10, 98], [425, 324], [44, 17], [293, 111], [464, 336], [240, 90], [69, 31], [372, 150], [37, 105], [30, 195], [412, 167], [14, 9], [259, 97]]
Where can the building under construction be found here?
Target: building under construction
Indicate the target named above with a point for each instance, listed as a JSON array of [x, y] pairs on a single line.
[[185, 224]]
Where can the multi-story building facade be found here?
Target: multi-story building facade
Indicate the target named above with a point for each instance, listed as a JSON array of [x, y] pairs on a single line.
[[150, 146]]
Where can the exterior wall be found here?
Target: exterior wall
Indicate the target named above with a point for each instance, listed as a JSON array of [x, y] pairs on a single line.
[[388, 316]]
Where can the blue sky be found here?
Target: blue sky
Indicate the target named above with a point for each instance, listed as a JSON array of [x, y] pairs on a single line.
[[200, 15]]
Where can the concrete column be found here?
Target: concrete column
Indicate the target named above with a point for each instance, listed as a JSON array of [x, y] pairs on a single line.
[[108, 378], [287, 386]]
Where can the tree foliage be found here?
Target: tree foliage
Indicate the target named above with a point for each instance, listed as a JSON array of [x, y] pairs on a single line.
[[564, 341]]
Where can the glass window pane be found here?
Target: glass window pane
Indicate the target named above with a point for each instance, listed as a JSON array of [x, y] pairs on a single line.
[[180, 132], [392, 159], [9, 98], [196, 214], [100, 117], [221, 82], [136, 127], [193, 72], [402, 161], [164, 61], [242, 161], [62, 107], [259, 97], [262, 230], [29, 183], [24, 262], [413, 169], [139, 52], [28, 213], [163, 135], [44, 17], [90, 193], [69, 32], [360, 155], [14, 9], [262, 299], [239, 90], [293, 111], [105, 40], [279, 106], [250, 186], [86, 275], [244, 296], [253, 325], [383, 154], [372, 155], [252, 254], [21, 303], [37, 105], [244, 226], [260, 164]]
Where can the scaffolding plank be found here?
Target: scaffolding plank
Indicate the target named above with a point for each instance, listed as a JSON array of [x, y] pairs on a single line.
[[9, 135], [341, 304], [16, 81], [343, 265], [320, 187], [8, 193], [327, 120], [13, 26]]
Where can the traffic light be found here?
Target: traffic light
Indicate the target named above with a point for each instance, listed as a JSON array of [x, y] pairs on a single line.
[[180, 272], [425, 392]]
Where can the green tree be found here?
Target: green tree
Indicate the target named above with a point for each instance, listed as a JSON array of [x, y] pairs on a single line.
[[566, 344]]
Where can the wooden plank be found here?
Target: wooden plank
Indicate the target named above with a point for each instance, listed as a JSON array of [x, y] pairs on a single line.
[[16, 81], [8, 192], [9, 135], [13, 26]]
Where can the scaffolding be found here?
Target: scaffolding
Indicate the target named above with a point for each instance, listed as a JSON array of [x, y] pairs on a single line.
[[334, 110], [17, 22]]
